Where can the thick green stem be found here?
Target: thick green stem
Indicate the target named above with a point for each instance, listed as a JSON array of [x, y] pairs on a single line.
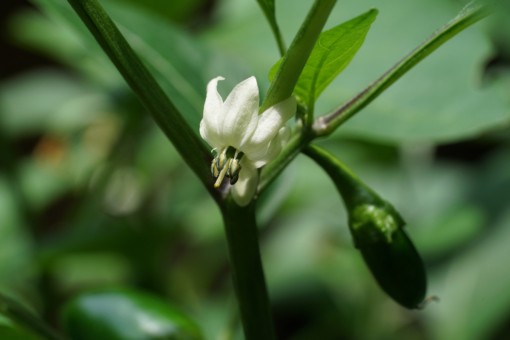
[[247, 271], [295, 59], [166, 115]]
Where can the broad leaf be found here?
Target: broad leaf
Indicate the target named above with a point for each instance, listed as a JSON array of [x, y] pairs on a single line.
[[332, 53]]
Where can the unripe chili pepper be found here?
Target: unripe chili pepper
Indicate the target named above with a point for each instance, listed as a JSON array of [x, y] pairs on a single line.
[[377, 231]]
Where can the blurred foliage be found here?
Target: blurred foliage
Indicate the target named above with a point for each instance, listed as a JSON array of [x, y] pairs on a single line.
[[122, 314], [93, 195]]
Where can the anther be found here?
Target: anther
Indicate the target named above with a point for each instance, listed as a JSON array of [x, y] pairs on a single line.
[[234, 179], [214, 169], [221, 160], [235, 167]]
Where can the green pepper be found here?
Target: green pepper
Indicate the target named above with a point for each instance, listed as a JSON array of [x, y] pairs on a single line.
[[377, 231], [125, 314]]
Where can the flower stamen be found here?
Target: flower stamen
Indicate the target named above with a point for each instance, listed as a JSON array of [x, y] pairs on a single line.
[[221, 160]]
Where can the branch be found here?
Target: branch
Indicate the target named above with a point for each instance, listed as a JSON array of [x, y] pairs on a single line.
[[326, 124]]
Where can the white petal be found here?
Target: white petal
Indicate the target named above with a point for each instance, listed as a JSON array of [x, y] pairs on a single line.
[[275, 147], [240, 112], [210, 126], [269, 123], [244, 189]]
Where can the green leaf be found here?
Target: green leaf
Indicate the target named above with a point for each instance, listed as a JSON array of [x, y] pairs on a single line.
[[124, 314], [269, 10], [332, 53]]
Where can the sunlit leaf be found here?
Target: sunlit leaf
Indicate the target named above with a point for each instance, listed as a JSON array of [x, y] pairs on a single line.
[[332, 53]]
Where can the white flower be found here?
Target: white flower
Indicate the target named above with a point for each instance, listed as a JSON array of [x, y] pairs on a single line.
[[243, 139]]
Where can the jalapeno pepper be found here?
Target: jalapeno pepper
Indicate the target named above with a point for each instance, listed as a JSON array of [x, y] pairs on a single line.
[[377, 231]]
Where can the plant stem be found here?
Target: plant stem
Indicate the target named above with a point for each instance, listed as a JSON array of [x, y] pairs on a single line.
[[326, 124], [166, 115], [247, 272], [353, 191], [20, 315], [279, 40], [268, 7]]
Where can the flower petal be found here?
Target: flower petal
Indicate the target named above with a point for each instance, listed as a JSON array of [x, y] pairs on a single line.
[[269, 123], [240, 112], [210, 126], [275, 147], [244, 189]]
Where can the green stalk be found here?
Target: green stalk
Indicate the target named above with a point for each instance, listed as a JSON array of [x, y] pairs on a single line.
[[23, 317], [353, 191], [295, 59], [269, 11], [326, 124], [166, 115], [247, 272]]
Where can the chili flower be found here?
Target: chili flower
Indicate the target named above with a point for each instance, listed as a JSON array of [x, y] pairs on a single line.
[[242, 139]]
